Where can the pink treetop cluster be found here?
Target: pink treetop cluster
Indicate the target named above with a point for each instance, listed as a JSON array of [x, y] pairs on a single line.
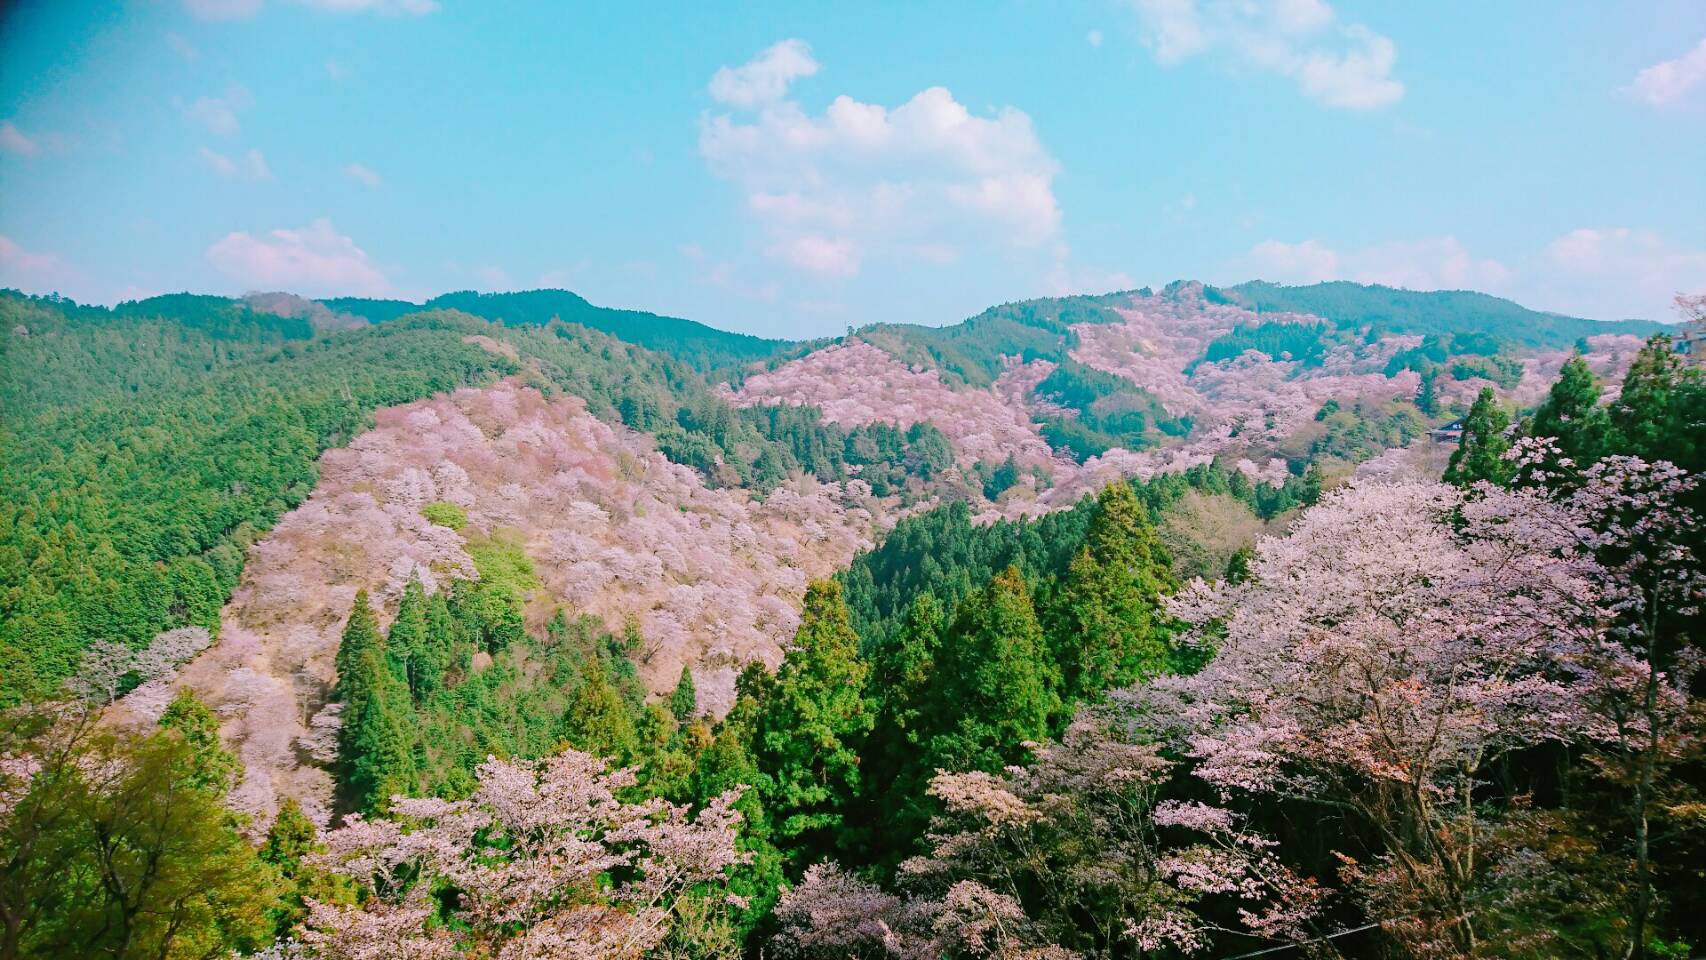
[[530, 856], [857, 383]]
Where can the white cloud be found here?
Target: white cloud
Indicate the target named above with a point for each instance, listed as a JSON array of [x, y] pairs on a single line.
[[1347, 66], [336, 70], [1607, 273], [764, 78], [1064, 280], [182, 47], [251, 166], [1435, 263], [1305, 262], [314, 260], [1670, 80], [35, 272], [722, 275], [364, 175], [1617, 272], [218, 162], [829, 256], [219, 114], [861, 180], [13, 140], [1094, 37], [243, 9]]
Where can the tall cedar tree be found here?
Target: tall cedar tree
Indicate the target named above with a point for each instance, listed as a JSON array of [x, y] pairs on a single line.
[[995, 686], [1480, 453], [811, 726], [684, 701], [1660, 413], [894, 779], [599, 721], [377, 742], [406, 642], [1572, 415], [727, 764], [1104, 627]]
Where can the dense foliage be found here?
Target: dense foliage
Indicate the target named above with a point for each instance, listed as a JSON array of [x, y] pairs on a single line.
[[701, 347], [1103, 412], [1304, 343], [1436, 312], [972, 351], [146, 447], [1431, 720]]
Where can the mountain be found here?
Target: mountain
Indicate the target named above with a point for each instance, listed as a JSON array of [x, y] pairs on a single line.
[[1430, 312], [176, 430], [765, 607], [699, 346]]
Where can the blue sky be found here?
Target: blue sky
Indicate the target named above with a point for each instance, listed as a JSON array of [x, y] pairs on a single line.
[[792, 169]]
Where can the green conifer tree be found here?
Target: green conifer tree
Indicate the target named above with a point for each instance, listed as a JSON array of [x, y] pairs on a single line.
[[1571, 414], [684, 701], [406, 642], [598, 720], [290, 838], [377, 742], [1481, 451], [1103, 628], [994, 685], [810, 727], [1660, 413]]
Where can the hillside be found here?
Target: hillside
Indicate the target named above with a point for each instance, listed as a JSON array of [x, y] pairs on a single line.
[[355, 553], [699, 346], [1431, 312]]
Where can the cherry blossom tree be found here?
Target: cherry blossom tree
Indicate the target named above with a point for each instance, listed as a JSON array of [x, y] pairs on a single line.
[[1631, 521], [544, 861], [1076, 854], [1377, 661]]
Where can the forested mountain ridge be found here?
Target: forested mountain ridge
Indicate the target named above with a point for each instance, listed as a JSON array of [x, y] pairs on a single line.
[[826, 605], [1080, 391], [702, 347], [1431, 312]]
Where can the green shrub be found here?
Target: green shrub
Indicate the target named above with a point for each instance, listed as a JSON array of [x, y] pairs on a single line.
[[445, 514]]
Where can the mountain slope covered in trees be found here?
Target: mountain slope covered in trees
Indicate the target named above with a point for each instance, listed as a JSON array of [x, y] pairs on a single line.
[[890, 646]]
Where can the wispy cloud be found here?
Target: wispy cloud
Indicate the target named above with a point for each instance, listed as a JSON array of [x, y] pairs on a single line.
[[222, 9], [15, 141], [1669, 81], [181, 47], [1347, 66], [250, 166], [766, 77], [315, 260], [1435, 263], [364, 175], [219, 114], [36, 272]]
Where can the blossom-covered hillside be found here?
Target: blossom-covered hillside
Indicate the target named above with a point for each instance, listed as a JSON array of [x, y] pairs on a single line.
[[712, 578], [1268, 413]]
